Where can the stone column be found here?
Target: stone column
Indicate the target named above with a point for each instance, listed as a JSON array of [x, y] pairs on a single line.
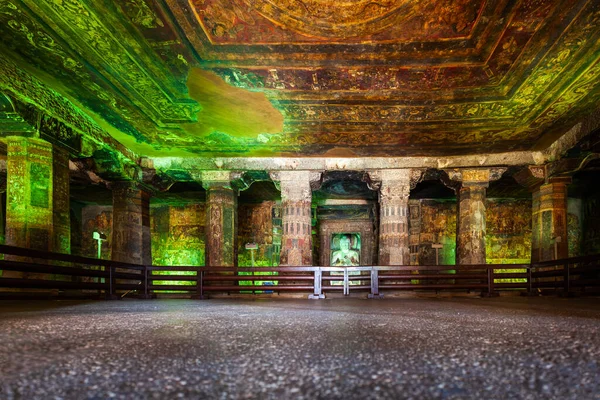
[[296, 200], [2, 209], [29, 200], [470, 235], [549, 220], [61, 210], [221, 218], [394, 189], [131, 240]]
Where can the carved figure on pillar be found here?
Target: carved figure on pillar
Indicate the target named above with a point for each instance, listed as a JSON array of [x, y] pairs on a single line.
[[470, 235], [296, 199], [394, 187], [221, 217]]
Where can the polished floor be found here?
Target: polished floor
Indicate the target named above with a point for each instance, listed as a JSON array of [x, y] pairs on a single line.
[[351, 348]]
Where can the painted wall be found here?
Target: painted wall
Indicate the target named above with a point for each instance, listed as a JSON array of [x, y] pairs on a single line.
[[438, 225], [96, 219], [256, 223], [508, 231], [178, 234]]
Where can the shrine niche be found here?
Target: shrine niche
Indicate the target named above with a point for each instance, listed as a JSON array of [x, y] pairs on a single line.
[[345, 250], [347, 234]]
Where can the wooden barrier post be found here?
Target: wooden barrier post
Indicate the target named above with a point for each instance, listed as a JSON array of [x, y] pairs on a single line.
[[199, 286], [110, 295], [490, 283], [375, 284], [318, 288]]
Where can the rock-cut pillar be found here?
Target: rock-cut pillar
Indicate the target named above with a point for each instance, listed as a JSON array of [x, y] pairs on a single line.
[[131, 241], [221, 218], [29, 193], [549, 220], [394, 191], [296, 200], [471, 227]]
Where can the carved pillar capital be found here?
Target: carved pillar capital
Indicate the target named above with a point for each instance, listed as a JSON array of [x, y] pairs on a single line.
[[131, 186], [296, 185], [393, 183], [475, 176], [235, 180]]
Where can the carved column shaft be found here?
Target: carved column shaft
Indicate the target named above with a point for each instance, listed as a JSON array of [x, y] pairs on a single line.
[[29, 194], [296, 200], [61, 210], [394, 190], [221, 218], [536, 232], [131, 241], [470, 235], [393, 223], [549, 225]]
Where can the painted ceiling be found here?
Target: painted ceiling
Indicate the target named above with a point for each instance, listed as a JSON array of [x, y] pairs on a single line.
[[313, 77]]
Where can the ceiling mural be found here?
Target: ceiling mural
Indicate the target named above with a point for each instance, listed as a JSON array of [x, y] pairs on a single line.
[[313, 21], [313, 77]]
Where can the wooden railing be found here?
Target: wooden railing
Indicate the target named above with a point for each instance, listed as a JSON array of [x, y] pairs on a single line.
[[568, 276], [31, 269]]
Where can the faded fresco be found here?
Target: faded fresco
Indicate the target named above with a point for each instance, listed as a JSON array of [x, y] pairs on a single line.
[[178, 235], [508, 231], [256, 225], [438, 226], [96, 219]]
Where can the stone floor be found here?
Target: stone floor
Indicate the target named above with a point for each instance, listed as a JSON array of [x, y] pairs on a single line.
[[287, 348]]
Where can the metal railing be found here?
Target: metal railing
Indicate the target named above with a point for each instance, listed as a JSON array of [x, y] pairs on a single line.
[[32, 269]]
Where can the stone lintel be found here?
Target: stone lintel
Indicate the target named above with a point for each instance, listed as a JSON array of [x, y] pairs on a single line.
[[181, 164]]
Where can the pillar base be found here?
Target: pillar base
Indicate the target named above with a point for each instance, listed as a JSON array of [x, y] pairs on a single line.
[[374, 296], [316, 296]]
